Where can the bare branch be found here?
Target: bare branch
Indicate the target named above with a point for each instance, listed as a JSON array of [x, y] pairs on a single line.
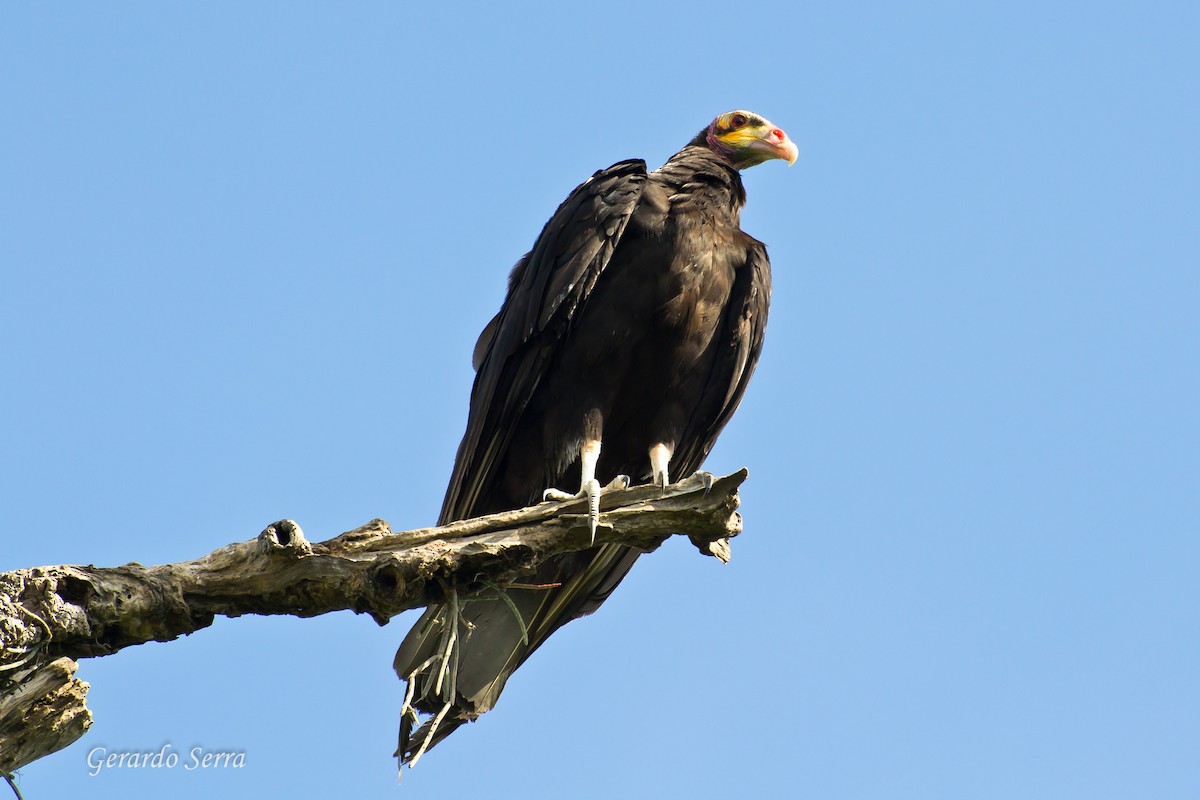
[[51, 615]]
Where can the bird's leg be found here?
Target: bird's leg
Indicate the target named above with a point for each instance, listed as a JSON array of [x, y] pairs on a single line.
[[589, 454], [589, 487], [660, 460]]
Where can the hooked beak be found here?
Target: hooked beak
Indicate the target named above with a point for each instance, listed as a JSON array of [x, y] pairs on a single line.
[[780, 146]]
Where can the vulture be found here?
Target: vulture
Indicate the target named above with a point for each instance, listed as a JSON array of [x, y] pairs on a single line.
[[625, 342]]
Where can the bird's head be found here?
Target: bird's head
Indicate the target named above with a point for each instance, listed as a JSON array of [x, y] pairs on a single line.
[[744, 139]]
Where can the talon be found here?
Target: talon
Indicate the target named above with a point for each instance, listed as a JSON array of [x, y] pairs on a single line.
[[660, 459], [707, 477], [589, 487], [618, 483], [592, 490]]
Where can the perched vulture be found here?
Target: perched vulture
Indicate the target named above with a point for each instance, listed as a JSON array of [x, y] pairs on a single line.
[[625, 342]]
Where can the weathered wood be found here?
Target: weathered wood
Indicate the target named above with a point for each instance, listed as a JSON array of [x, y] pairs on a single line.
[[46, 712], [50, 615]]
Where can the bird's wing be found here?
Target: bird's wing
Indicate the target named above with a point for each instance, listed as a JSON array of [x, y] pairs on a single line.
[[740, 346], [546, 289]]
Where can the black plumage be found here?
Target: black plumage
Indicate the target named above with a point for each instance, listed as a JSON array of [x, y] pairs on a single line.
[[635, 321]]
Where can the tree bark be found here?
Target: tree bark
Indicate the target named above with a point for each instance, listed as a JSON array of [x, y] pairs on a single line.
[[50, 616]]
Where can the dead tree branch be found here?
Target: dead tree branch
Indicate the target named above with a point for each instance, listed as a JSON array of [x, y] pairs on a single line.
[[50, 616]]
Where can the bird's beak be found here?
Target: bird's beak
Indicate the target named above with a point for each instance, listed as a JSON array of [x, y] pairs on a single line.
[[761, 143], [780, 146]]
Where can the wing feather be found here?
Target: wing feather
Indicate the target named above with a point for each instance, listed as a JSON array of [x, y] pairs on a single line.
[[547, 288], [744, 330]]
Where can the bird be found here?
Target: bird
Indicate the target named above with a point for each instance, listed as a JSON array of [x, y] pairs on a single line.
[[626, 339]]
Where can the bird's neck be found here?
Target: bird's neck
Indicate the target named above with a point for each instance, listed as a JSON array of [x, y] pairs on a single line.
[[698, 171]]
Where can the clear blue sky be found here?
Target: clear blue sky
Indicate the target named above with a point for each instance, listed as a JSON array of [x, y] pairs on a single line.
[[246, 251]]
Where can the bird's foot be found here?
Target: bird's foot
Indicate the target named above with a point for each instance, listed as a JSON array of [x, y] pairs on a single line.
[[660, 461], [618, 483], [591, 490]]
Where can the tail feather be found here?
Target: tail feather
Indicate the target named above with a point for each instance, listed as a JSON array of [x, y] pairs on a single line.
[[458, 675]]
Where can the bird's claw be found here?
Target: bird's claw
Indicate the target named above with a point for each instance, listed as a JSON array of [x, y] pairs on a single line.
[[592, 491], [618, 483]]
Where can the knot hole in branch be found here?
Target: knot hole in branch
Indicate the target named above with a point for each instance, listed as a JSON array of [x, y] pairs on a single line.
[[284, 535], [387, 591]]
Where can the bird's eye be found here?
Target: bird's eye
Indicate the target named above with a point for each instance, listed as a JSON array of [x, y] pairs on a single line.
[[737, 121]]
